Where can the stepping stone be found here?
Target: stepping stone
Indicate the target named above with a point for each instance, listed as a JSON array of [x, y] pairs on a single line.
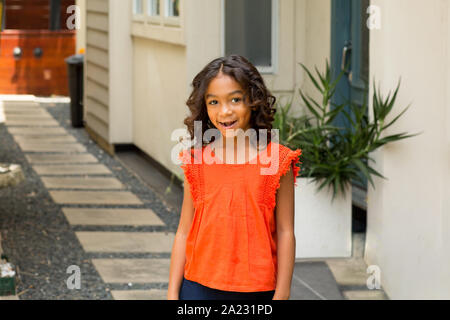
[[78, 169], [32, 123], [103, 241], [364, 295], [112, 217], [133, 270], [29, 117], [44, 139], [95, 197], [33, 131], [81, 183], [13, 297], [61, 158], [21, 105], [38, 112], [14, 100], [51, 147], [31, 108], [349, 271], [152, 294]]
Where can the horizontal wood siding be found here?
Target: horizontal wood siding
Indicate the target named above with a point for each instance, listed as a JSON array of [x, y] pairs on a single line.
[[98, 39], [98, 74], [96, 124], [97, 67]]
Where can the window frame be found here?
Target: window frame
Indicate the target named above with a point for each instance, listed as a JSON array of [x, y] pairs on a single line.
[[138, 16], [170, 20], [273, 69], [166, 9], [161, 28], [163, 19], [153, 19]]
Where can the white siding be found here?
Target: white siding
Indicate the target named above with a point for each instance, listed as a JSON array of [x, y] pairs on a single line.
[[97, 67]]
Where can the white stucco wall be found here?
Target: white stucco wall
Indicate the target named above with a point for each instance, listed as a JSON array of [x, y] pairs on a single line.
[[313, 43], [408, 222], [159, 94], [120, 73]]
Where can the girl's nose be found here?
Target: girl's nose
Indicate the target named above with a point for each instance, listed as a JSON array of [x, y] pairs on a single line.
[[225, 108]]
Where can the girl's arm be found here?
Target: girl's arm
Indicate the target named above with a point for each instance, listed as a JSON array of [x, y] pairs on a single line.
[[178, 257], [285, 236]]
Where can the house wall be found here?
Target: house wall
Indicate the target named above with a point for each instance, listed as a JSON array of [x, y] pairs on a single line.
[[81, 33], [108, 70], [159, 85], [97, 67], [165, 66], [159, 93], [120, 73], [408, 223], [137, 82], [312, 36]]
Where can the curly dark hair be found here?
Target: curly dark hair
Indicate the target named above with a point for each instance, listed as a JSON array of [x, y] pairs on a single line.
[[256, 94]]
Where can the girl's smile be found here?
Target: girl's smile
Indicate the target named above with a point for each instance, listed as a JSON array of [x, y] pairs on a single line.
[[228, 124]]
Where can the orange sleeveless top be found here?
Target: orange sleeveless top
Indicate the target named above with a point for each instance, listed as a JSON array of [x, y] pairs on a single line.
[[232, 242]]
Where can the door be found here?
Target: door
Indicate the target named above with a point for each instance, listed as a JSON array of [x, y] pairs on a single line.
[[350, 51], [33, 45]]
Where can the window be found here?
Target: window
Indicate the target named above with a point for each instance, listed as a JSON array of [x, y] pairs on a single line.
[[172, 8], [153, 8], [250, 31], [150, 12], [160, 20], [138, 8]]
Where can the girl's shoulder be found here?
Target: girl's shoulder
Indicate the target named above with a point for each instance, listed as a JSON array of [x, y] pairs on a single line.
[[287, 158], [283, 151], [191, 155]]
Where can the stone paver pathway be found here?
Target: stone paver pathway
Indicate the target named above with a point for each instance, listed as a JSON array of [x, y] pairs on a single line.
[[75, 178]]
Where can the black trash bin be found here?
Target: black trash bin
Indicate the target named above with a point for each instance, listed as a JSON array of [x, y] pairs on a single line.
[[75, 76]]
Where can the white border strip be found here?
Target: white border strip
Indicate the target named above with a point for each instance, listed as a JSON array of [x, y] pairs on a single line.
[[2, 113], [32, 98]]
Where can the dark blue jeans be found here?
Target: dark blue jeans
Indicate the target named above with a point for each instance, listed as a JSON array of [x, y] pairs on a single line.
[[191, 290]]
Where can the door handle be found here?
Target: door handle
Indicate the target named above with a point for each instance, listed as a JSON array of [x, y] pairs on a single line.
[[37, 52], [17, 52], [345, 51]]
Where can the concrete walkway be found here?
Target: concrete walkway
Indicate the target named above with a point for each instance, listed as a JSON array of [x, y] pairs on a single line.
[[97, 205]]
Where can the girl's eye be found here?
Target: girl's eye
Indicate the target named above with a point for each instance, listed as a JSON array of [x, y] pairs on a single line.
[[236, 99], [213, 102]]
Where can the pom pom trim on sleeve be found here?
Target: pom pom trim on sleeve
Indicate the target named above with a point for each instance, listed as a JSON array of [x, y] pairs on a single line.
[[291, 158]]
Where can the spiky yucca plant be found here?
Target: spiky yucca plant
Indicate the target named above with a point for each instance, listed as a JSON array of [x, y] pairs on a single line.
[[334, 156]]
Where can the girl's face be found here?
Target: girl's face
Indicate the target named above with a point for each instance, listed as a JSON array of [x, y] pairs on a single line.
[[226, 107]]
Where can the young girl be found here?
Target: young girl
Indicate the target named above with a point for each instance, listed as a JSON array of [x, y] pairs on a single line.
[[235, 238]]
